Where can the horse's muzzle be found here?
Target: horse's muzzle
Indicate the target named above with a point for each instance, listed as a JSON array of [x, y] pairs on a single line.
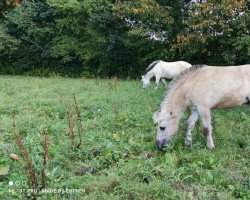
[[161, 143]]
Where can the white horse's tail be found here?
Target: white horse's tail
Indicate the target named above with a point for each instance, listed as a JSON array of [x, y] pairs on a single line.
[[151, 66]]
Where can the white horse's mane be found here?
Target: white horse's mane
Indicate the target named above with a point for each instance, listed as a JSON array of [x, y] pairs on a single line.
[[177, 81], [151, 66]]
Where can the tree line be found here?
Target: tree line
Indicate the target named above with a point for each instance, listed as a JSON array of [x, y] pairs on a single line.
[[119, 37]]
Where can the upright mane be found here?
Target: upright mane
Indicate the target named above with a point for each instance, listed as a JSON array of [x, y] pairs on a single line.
[[178, 80], [151, 66]]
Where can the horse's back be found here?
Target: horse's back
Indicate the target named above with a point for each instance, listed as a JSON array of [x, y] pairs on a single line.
[[184, 63], [223, 76], [171, 69], [176, 64], [219, 87]]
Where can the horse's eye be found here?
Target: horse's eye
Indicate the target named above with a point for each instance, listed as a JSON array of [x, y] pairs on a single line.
[[162, 128]]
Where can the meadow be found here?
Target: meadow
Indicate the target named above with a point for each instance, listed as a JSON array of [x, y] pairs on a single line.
[[117, 158]]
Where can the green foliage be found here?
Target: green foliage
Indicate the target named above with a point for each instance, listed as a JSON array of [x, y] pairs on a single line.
[[29, 28], [106, 52], [214, 30], [120, 37], [6, 5], [70, 18], [118, 158]]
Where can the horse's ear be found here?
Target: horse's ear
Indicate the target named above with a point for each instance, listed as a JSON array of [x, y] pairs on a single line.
[[156, 117]]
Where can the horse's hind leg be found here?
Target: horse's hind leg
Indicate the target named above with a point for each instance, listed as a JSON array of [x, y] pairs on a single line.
[[189, 126], [206, 124], [164, 82]]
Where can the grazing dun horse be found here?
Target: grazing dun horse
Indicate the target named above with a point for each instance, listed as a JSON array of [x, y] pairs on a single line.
[[161, 70], [204, 88]]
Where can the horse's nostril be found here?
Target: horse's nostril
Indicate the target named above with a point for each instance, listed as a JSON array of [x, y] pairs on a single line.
[[164, 141], [160, 143]]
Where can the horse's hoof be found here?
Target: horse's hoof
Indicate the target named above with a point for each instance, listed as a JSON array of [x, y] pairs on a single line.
[[188, 144], [210, 147]]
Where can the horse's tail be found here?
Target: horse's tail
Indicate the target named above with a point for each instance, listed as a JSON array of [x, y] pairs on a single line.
[[151, 66]]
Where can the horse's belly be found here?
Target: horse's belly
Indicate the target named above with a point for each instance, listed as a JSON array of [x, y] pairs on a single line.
[[170, 73], [228, 102]]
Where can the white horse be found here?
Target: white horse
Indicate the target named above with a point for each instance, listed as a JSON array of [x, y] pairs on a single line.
[[203, 88], [161, 70]]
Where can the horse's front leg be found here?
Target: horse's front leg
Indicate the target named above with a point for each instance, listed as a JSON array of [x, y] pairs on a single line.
[[206, 124], [157, 80], [189, 126], [164, 82]]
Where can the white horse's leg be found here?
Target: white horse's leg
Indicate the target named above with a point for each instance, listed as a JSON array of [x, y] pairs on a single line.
[[157, 80], [189, 126], [164, 82], [207, 128]]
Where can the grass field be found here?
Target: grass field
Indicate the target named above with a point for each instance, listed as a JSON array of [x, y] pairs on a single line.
[[118, 158]]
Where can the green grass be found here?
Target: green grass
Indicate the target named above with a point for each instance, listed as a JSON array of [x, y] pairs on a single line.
[[127, 167]]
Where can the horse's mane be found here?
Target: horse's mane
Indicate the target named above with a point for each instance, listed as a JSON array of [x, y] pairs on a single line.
[[178, 80], [151, 66]]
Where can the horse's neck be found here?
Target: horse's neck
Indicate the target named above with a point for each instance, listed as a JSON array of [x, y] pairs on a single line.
[[176, 103], [149, 75]]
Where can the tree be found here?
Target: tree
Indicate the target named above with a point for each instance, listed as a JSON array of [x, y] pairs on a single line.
[[68, 41], [122, 37], [28, 30], [216, 33]]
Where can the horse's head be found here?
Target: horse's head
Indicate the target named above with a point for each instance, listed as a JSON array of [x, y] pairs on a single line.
[[145, 82], [167, 127]]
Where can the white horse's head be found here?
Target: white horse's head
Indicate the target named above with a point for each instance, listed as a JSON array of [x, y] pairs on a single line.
[[145, 81], [167, 127]]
